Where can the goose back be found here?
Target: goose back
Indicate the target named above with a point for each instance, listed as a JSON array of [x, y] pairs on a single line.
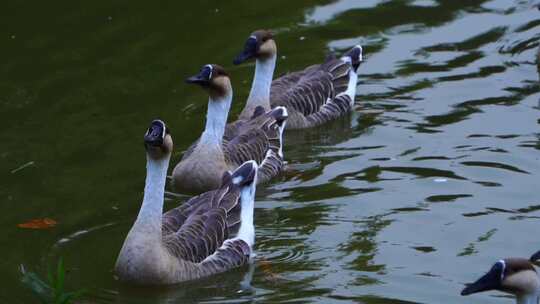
[[202, 234], [307, 93], [196, 230], [261, 141]]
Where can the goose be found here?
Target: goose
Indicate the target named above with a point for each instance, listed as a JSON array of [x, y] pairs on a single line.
[[313, 96], [258, 138], [209, 234], [516, 276]]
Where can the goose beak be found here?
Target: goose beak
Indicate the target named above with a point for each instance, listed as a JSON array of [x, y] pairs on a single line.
[[243, 57], [198, 79], [489, 281], [203, 77], [250, 51]]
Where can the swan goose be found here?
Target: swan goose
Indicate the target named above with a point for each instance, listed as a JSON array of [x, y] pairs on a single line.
[[313, 96], [209, 234], [258, 138]]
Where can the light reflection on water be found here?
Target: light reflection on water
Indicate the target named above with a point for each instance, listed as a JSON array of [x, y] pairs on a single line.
[[431, 179]]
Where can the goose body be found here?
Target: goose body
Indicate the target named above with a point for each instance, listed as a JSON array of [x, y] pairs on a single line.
[[516, 276], [224, 147], [209, 234], [313, 96]]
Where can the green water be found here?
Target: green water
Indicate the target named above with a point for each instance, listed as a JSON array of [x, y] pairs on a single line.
[[433, 178]]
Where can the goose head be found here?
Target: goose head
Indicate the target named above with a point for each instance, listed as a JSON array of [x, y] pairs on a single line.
[[516, 276], [157, 140], [214, 79], [259, 45]]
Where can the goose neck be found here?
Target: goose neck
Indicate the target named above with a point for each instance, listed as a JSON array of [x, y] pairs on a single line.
[[262, 81], [216, 119], [150, 215]]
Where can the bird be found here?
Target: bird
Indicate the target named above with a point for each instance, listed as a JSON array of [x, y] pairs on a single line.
[[313, 96], [210, 233], [516, 276], [223, 147]]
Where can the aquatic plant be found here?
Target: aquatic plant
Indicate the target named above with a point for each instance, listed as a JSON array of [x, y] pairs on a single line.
[[50, 291]]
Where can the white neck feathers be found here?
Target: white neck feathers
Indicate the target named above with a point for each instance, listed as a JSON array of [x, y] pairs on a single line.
[[246, 231], [149, 218], [216, 119], [260, 88], [353, 79]]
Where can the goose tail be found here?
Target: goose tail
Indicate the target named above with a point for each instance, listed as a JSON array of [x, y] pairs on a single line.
[[344, 67], [354, 57], [280, 114], [245, 176]]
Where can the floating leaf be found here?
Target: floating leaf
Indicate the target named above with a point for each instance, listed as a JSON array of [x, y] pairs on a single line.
[[43, 223]]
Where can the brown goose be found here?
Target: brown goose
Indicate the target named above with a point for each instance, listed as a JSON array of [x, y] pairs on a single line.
[[258, 138], [209, 234], [517, 276], [313, 96]]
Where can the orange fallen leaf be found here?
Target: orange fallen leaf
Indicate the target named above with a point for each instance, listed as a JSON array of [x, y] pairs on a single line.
[[43, 223]]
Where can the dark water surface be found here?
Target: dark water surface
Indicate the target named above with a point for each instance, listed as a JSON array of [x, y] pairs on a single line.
[[435, 176]]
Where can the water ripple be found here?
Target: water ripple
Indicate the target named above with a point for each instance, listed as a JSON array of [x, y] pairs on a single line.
[[493, 165]]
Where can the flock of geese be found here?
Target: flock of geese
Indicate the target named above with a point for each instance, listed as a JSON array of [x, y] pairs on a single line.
[[214, 232]]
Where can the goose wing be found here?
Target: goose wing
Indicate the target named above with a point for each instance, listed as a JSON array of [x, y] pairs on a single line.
[[198, 229], [248, 145], [309, 90], [235, 128], [245, 140], [331, 110], [260, 141], [233, 253]]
